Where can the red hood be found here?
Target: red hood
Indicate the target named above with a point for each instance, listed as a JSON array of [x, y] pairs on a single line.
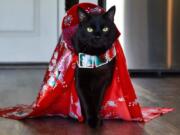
[[70, 21]]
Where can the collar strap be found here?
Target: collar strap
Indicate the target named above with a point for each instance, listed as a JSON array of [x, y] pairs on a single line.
[[93, 61]]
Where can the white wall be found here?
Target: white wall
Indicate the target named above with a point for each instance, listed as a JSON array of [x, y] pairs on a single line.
[[61, 10], [90, 1], [28, 30]]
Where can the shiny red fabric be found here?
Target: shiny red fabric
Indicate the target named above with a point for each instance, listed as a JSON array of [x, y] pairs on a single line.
[[58, 96]]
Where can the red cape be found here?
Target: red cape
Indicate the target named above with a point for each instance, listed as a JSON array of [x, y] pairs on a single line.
[[58, 96]]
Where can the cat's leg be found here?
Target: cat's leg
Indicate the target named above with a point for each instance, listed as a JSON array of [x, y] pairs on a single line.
[[86, 103], [95, 120], [91, 95], [83, 90]]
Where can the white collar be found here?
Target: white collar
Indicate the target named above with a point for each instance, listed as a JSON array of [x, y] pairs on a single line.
[[93, 61]]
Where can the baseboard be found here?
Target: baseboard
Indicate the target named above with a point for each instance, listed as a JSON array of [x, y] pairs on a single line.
[[154, 72], [24, 65]]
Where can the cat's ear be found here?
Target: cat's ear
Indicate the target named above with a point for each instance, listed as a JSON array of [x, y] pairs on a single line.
[[110, 13], [82, 14]]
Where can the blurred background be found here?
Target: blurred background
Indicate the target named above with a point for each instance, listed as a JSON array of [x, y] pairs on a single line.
[[150, 29], [29, 31]]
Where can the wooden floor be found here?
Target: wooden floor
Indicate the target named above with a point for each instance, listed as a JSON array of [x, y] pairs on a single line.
[[21, 86]]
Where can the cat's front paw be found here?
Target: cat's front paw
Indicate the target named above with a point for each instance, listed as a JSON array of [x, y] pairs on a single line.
[[94, 122]]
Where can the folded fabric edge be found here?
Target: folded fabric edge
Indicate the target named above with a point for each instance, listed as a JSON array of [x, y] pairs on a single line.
[[150, 113]]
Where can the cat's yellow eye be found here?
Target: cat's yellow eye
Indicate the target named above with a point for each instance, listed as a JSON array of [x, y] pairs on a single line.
[[105, 29], [89, 29]]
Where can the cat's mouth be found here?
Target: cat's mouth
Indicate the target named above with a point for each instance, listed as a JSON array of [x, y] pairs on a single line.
[[98, 40]]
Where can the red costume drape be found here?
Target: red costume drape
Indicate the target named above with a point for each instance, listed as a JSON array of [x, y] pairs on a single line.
[[58, 96]]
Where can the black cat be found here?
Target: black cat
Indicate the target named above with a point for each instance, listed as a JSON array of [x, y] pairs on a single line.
[[95, 35]]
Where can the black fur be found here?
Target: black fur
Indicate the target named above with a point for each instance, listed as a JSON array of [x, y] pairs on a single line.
[[70, 3], [92, 83]]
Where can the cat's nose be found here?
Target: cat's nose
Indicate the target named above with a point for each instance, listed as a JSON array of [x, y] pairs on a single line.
[[97, 35]]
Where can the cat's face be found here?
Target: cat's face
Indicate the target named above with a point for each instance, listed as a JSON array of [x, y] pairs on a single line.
[[96, 32]]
